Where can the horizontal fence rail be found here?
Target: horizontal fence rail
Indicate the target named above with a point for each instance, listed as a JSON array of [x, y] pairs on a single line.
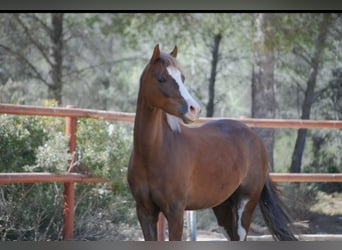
[[66, 112], [281, 123], [129, 117], [12, 178], [303, 177], [72, 114]]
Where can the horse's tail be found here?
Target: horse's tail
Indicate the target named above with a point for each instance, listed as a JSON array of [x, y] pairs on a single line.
[[273, 211]]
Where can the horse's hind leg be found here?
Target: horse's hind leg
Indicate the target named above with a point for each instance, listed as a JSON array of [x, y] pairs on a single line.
[[235, 215], [226, 218]]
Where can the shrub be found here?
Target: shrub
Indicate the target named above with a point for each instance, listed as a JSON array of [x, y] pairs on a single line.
[[29, 211], [35, 211], [326, 158], [20, 138]]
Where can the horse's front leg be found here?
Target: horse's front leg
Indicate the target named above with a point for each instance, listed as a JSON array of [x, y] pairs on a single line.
[[148, 217], [175, 218]]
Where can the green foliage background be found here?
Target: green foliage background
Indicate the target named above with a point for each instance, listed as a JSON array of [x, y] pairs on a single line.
[[37, 144], [103, 57]]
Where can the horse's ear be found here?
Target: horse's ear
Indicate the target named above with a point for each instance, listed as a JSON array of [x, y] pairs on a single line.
[[156, 53], [174, 52]]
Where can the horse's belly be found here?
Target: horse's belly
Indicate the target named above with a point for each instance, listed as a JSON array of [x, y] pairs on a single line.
[[211, 194]]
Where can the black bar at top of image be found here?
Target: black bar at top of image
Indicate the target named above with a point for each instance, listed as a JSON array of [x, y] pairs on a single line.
[[152, 5]]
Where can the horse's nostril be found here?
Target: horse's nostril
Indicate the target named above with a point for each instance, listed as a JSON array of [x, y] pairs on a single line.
[[194, 109]]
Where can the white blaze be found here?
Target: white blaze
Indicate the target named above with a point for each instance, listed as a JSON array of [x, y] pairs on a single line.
[[176, 75]]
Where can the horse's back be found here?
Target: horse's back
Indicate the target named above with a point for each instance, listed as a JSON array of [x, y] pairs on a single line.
[[232, 129]]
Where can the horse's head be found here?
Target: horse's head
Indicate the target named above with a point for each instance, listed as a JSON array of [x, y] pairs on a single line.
[[162, 87]]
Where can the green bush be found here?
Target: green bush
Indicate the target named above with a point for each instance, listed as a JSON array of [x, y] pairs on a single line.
[[20, 138], [38, 144], [326, 158], [104, 149]]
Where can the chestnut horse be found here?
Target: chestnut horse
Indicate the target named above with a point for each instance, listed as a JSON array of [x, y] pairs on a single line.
[[221, 165]]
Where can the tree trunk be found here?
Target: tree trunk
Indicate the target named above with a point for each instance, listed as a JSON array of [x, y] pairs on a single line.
[[56, 36], [310, 94], [214, 62], [263, 97]]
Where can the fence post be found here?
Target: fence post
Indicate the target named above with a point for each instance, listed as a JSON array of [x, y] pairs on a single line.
[[69, 188], [191, 223]]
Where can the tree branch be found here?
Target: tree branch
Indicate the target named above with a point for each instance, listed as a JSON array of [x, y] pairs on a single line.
[[38, 45], [303, 55], [28, 63], [94, 66], [44, 25], [298, 85]]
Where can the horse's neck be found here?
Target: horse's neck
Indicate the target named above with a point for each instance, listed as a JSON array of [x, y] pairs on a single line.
[[149, 127]]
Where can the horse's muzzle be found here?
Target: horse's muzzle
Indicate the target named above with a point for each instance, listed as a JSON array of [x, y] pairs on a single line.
[[191, 110]]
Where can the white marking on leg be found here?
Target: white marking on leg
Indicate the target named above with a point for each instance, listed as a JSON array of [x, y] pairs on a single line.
[[241, 230], [223, 230]]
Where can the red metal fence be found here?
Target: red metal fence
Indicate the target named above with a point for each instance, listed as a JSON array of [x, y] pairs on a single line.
[[71, 115]]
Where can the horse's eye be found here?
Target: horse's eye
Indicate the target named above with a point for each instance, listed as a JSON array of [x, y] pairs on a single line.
[[161, 79]]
